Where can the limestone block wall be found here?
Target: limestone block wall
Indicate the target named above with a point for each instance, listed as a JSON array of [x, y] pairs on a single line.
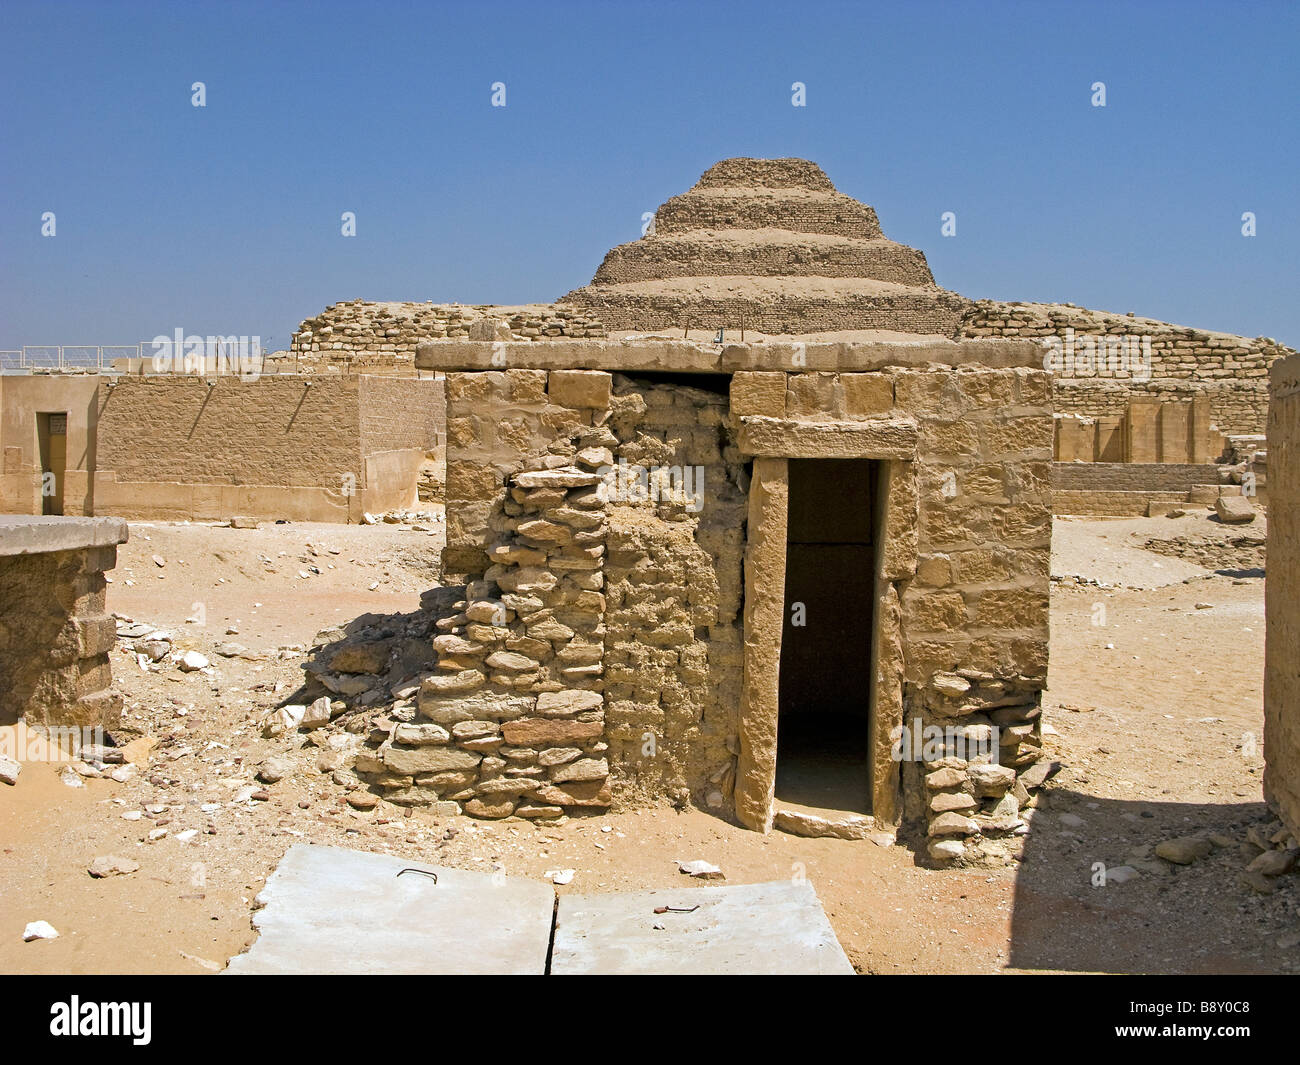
[[1166, 477], [1282, 648], [22, 399], [364, 332], [963, 583], [1150, 430], [1185, 363], [306, 448], [55, 637]]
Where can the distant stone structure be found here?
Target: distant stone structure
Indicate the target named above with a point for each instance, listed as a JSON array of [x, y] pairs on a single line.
[[1282, 647], [768, 245], [373, 337], [172, 446], [1230, 372]]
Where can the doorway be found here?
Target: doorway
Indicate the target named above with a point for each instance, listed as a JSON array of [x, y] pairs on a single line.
[[52, 439], [824, 711]]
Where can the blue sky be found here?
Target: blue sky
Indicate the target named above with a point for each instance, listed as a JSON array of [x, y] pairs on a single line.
[[226, 219]]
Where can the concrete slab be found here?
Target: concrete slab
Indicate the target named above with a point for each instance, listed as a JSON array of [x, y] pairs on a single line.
[[333, 910], [28, 534], [769, 928]]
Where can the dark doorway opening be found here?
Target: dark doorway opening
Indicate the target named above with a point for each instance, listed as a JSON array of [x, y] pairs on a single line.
[[52, 441], [824, 709]]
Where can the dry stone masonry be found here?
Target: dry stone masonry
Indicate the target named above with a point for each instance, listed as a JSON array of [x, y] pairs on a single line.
[[1185, 364], [366, 335]]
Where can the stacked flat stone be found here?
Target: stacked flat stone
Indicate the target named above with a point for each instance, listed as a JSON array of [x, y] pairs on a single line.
[[375, 334], [769, 245], [513, 720], [1185, 363], [978, 786]]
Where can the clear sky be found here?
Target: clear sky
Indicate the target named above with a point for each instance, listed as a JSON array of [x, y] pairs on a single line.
[[225, 219]]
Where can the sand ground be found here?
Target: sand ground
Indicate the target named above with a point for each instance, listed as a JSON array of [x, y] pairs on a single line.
[[1155, 699]]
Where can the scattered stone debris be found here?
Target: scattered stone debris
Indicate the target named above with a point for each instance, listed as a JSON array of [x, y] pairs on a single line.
[[1235, 510], [9, 769], [1184, 850], [701, 870], [39, 930], [111, 865], [192, 661]]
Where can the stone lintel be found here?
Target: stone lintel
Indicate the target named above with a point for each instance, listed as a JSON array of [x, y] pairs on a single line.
[[684, 356], [877, 438], [27, 534]]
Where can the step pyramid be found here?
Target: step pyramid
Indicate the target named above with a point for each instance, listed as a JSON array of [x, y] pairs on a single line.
[[768, 245]]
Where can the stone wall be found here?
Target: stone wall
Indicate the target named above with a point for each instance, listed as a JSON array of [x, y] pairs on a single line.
[[1163, 477], [964, 565], [673, 626], [621, 612], [55, 629], [1282, 652], [362, 333], [22, 398], [1185, 363], [962, 583], [306, 448], [400, 414]]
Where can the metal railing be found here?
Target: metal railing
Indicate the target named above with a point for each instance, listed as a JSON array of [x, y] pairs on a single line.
[[69, 356]]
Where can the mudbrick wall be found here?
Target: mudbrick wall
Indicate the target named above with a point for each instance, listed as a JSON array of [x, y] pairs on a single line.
[[55, 636], [1185, 363], [1282, 652]]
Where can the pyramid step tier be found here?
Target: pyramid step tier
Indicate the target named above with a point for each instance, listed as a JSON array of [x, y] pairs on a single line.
[[794, 210], [765, 305], [763, 252]]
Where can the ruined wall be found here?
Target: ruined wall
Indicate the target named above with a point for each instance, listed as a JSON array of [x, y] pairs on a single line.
[[1165, 477], [514, 714], [632, 598], [673, 631], [1282, 649], [366, 333], [1185, 363], [55, 636]]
